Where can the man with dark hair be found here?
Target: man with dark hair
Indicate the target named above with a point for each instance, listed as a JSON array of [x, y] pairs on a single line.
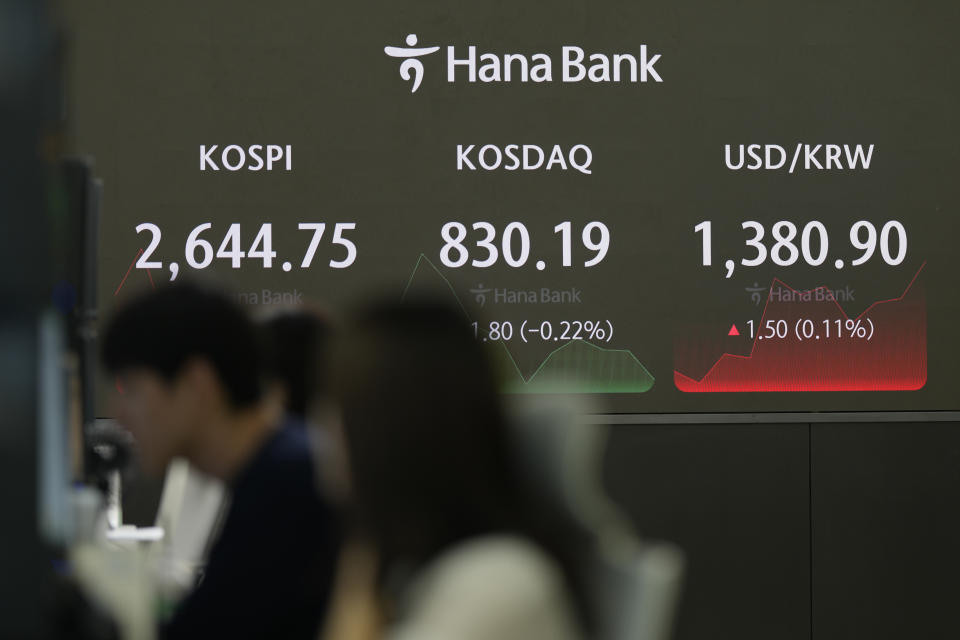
[[189, 364]]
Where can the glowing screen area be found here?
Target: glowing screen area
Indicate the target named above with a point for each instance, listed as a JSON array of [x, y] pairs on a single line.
[[675, 207]]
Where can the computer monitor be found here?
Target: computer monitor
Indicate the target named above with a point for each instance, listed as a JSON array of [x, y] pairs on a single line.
[[67, 342]]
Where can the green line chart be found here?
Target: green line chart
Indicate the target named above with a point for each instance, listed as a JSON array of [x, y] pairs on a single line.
[[578, 366]]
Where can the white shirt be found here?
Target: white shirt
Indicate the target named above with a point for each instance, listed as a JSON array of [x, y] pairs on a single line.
[[490, 588]]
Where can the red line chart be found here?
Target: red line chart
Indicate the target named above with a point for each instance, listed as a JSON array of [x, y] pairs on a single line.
[[129, 269], [822, 348]]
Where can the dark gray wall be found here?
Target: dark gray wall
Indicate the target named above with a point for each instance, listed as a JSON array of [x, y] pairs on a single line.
[[824, 531]]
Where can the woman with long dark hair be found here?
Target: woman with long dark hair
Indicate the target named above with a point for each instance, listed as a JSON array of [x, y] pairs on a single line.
[[457, 549]]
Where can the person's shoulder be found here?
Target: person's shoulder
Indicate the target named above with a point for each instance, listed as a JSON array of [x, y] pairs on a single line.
[[288, 446], [492, 587], [291, 439], [283, 468], [517, 563]]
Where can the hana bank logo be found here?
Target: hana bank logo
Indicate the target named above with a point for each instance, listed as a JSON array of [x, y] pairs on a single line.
[[411, 64], [571, 64], [480, 294]]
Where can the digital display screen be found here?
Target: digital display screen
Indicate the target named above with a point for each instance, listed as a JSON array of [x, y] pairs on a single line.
[[678, 207]]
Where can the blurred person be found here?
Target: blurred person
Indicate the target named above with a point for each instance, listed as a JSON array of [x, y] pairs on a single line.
[[299, 339], [450, 545], [189, 365]]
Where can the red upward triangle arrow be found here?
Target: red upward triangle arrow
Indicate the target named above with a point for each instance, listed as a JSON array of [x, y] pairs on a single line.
[[733, 331]]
